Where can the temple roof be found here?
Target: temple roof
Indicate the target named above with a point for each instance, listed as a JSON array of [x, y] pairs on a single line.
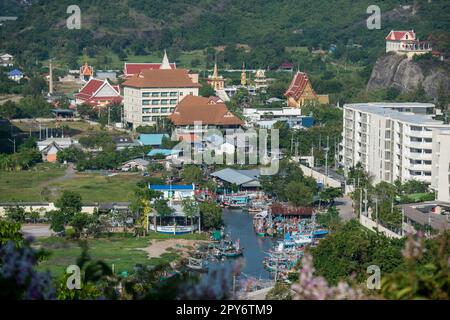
[[298, 85]]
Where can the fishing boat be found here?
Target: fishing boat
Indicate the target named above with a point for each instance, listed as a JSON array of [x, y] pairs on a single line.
[[169, 274], [228, 249], [199, 265]]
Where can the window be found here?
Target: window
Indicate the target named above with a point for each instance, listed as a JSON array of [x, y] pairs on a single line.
[[146, 119], [164, 101], [164, 110], [155, 102], [145, 110], [145, 102], [173, 101], [173, 94], [172, 109], [181, 94], [155, 94], [155, 110], [164, 94], [427, 151], [145, 94], [427, 162]]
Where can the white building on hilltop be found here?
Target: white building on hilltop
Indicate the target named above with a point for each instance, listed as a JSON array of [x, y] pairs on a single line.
[[405, 42], [391, 140]]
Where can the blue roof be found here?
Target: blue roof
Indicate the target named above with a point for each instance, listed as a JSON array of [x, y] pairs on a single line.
[[153, 139], [15, 72], [164, 152], [171, 187]]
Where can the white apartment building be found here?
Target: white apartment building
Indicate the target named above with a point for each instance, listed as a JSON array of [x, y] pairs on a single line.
[[391, 140], [153, 94], [440, 172]]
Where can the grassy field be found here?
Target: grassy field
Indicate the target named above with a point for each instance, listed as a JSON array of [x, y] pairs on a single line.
[[27, 185], [119, 249], [99, 188], [76, 128]]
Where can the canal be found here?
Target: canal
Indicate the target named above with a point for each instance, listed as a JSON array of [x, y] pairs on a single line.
[[239, 225]]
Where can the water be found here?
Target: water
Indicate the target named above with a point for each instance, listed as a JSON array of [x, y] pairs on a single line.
[[239, 225]]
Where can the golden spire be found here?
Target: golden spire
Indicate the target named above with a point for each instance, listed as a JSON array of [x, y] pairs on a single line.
[[243, 76], [216, 71]]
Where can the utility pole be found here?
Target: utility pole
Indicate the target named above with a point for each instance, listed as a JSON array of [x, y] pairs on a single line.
[[376, 211], [360, 202], [14, 142], [109, 114], [365, 201], [403, 219], [292, 141]]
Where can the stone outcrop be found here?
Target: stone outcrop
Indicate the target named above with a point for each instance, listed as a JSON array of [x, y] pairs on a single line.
[[396, 71]]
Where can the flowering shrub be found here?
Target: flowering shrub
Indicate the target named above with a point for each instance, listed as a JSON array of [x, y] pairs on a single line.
[[18, 279], [310, 287]]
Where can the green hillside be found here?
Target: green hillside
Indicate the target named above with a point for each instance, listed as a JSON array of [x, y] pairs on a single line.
[[135, 27]]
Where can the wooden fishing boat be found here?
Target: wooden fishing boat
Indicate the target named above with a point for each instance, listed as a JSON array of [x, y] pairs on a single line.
[[199, 265]]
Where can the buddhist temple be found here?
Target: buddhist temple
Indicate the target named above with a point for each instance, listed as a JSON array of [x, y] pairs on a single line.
[[260, 79], [86, 72], [215, 81], [301, 92], [243, 76]]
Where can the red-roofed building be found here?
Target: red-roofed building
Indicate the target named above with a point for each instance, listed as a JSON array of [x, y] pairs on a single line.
[[405, 42], [131, 69], [301, 92], [98, 93]]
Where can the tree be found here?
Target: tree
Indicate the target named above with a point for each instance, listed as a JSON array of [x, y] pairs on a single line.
[[191, 174], [211, 215], [190, 209], [79, 222], [69, 203], [299, 194], [206, 90], [16, 214], [163, 209]]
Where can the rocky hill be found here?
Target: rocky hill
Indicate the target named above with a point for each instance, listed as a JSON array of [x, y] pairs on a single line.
[[396, 71]]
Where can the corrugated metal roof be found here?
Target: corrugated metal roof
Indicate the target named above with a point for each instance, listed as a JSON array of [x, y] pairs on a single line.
[[238, 177]]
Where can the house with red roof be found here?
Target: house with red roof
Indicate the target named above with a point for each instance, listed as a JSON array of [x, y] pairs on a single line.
[[131, 69], [301, 92], [98, 93], [405, 42]]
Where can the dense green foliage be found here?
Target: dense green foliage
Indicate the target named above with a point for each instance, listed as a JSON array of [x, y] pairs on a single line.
[[211, 215], [351, 249], [266, 26]]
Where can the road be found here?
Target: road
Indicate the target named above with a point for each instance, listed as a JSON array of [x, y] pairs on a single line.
[[344, 205]]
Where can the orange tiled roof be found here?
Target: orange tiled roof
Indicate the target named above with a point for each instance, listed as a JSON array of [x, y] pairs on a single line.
[[161, 78], [193, 108]]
